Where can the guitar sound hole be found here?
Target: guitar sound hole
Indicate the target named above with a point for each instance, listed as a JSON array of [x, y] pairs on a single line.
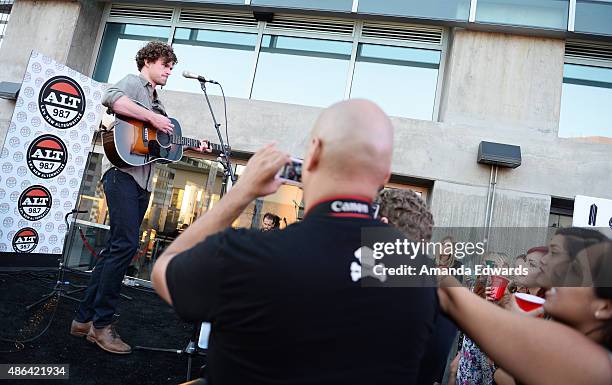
[[163, 139]]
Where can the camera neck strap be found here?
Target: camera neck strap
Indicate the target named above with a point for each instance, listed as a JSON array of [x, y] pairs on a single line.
[[343, 207]]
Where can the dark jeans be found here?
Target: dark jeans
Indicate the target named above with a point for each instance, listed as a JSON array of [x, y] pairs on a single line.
[[127, 203]]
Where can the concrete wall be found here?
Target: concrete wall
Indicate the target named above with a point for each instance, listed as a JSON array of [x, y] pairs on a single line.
[[430, 150], [64, 30]]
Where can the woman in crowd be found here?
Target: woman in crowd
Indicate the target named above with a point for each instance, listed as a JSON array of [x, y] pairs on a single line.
[[559, 264], [474, 367], [527, 283], [572, 349], [445, 256], [522, 284]]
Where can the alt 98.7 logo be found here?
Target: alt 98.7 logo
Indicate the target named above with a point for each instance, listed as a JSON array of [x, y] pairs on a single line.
[[47, 156], [25, 240], [34, 203], [61, 102]]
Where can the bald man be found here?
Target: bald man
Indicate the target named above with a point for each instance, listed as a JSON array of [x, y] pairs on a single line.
[[292, 306]]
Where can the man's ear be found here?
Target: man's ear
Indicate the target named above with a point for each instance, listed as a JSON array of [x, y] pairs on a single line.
[[387, 177], [314, 154], [384, 220]]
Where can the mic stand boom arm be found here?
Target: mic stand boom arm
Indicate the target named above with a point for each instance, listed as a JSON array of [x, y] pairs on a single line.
[[225, 152]]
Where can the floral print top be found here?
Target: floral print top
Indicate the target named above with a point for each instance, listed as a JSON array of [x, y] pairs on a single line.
[[474, 368]]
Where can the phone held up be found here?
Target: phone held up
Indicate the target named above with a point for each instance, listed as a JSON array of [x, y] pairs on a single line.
[[291, 173]]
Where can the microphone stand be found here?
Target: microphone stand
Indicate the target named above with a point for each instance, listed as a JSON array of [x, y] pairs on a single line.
[[61, 287], [192, 349], [228, 172]]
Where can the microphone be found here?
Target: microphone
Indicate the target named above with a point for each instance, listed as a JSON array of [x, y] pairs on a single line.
[[191, 75]]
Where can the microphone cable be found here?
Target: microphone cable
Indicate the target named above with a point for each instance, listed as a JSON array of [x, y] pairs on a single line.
[[225, 113]]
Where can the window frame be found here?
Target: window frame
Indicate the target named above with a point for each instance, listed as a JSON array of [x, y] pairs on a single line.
[[581, 61], [262, 28]]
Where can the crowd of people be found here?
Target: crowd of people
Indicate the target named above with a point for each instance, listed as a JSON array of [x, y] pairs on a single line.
[[290, 294], [300, 305]]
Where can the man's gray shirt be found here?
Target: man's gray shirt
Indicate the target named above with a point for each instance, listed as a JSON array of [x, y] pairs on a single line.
[[138, 89]]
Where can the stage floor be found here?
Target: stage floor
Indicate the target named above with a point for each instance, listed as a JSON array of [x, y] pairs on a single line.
[[145, 320]]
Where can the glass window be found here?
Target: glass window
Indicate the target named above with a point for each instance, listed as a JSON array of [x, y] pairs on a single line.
[[401, 80], [225, 1], [302, 71], [430, 9], [119, 47], [586, 101], [559, 220], [226, 57], [328, 5], [594, 16], [182, 191], [533, 13]]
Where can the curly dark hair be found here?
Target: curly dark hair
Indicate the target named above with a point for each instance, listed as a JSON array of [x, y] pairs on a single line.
[[407, 211], [153, 51], [275, 219]]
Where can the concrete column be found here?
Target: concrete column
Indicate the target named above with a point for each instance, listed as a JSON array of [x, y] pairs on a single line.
[[503, 81], [520, 219]]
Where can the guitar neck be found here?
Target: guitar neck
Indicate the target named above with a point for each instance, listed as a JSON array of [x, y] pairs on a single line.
[[216, 148]]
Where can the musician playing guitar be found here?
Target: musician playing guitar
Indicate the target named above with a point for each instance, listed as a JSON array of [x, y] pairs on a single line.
[[127, 193]]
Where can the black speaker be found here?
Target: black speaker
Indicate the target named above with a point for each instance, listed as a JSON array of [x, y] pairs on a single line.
[[504, 155]]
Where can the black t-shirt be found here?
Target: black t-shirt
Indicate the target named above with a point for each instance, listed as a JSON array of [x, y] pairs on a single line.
[[285, 308]]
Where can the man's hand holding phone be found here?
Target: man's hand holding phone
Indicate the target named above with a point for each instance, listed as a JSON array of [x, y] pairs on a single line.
[[291, 173], [260, 175]]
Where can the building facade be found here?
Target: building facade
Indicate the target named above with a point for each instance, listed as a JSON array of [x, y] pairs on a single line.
[[451, 73]]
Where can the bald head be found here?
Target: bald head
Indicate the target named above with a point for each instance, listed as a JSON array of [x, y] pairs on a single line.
[[356, 142]]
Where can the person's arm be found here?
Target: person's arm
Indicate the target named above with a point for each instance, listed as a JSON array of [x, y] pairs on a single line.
[[126, 107], [503, 378], [533, 351], [258, 179], [454, 366]]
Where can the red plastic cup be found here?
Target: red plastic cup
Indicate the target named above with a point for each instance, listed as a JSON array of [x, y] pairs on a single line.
[[528, 302], [499, 285]]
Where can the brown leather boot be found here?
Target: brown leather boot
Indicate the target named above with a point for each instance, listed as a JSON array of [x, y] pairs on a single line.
[[108, 339], [79, 329]]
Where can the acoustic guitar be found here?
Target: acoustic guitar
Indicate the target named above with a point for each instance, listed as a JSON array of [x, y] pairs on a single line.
[[132, 142]]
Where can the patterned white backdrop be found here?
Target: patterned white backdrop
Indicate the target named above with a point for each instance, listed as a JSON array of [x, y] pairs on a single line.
[[58, 112]]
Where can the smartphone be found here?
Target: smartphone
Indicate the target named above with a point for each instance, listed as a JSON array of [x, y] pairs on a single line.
[[291, 173]]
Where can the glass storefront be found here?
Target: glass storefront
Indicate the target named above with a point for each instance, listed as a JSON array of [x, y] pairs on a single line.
[[182, 192]]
